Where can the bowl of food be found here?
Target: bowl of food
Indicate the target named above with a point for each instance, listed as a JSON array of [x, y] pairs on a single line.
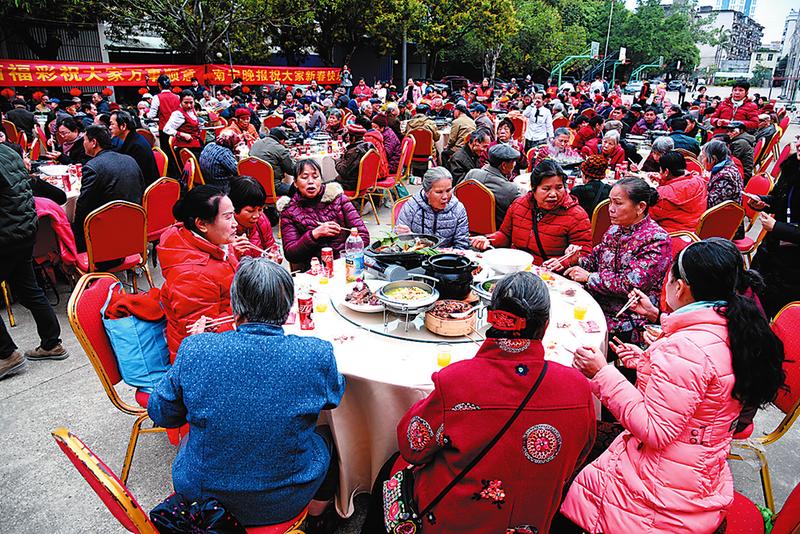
[[507, 260], [408, 250], [438, 319], [407, 295], [361, 298], [485, 288]]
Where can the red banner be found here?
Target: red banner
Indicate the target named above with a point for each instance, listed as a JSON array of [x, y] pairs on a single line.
[[221, 74], [46, 74], [23, 73]]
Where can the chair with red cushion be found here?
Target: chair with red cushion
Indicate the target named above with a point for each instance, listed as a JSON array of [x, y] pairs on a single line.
[[83, 313], [692, 165], [758, 150], [530, 157], [119, 500], [263, 173], [397, 207], [273, 121], [22, 141], [785, 120], [12, 134], [520, 124], [191, 174], [158, 200], [368, 169], [721, 220], [423, 147], [38, 143], [776, 168], [561, 122], [480, 205], [161, 161], [759, 184], [788, 519], [739, 165], [681, 240], [148, 135], [601, 222], [743, 516], [787, 401], [407, 148]]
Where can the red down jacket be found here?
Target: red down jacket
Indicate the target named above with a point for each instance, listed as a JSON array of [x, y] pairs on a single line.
[[565, 225], [681, 202], [198, 276], [747, 112]]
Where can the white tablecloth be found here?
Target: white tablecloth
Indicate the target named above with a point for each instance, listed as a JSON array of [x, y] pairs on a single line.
[[52, 174], [387, 375]]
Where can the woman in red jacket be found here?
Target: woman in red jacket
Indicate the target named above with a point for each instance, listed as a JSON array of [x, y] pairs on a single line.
[[197, 265], [608, 147], [544, 222], [253, 229], [586, 129], [682, 196]]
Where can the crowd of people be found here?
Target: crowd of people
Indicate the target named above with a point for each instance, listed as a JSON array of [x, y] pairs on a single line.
[[677, 399]]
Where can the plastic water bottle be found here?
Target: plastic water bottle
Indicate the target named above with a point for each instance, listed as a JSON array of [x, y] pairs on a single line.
[[354, 256]]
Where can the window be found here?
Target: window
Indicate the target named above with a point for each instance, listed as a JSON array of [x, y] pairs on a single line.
[[769, 57], [758, 57]]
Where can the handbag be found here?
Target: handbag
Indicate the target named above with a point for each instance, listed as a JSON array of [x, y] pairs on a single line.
[[399, 505], [177, 515], [140, 347]]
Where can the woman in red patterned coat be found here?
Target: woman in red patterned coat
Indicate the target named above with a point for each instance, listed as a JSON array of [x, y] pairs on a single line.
[[516, 487]]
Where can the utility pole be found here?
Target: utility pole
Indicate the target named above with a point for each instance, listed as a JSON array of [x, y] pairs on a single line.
[[405, 58], [608, 35]]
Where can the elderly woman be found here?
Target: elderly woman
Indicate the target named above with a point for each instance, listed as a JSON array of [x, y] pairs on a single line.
[[254, 444], [218, 159], [661, 145], [253, 231], [505, 136], [726, 180], [634, 253], [545, 222], [553, 150], [514, 487], [667, 472], [334, 126], [609, 148], [593, 190], [435, 210], [196, 262], [317, 216]]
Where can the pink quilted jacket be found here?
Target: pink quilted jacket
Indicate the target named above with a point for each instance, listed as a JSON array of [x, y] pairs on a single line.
[[667, 471]]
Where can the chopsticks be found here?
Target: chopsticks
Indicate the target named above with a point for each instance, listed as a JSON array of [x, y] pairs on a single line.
[[211, 323], [567, 256], [631, 301]]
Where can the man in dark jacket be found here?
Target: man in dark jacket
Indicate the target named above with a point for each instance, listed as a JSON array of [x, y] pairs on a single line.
[[272, 149], [497, 176], [108, 176], [134, 145], [468, 156], [677, 127], [742, 146], [22, 118], [348, 165], [18, 224]]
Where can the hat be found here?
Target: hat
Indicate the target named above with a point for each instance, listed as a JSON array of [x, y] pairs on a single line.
[[380, 120], [278, 133], [147, 95], [55, 101], [423, 108], [594, 168], [462, 107], [735, 124], [375, 101], [327, 103], [242, 112], [289, 113], [356, 129], [480, 108], [503, 152], [636, 107], [18, 102]]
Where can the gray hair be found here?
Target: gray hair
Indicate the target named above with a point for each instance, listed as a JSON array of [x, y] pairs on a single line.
[[336, 112], [391, 106], [365, 106], [479, 135], [716, 150], [612, 135], [663, 144], [524, 294], [613, 125], [262, 291], [562, 131], [433, 175], [558, 107]]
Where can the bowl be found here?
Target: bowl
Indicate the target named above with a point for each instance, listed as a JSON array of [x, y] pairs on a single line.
[[480, 289], [507, 260]]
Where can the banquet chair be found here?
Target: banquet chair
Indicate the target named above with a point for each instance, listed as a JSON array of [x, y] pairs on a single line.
[[721, 220], [47, 255], [423, 147], [7, 300], [38, 146], [561, 122], [161, 161], [187, 155], [757, 151], [368, 169], [759, 184], [172, 153], [22, 141], [788, 399], [398, 206], [83, 313], [784, 124], [407, 147], [480, 204], [744, 517], [692, 165], [105, 242], [12, 134], [530, 157], [739, 165], [681, 240], [686, 153], [191, 174], [273, 121], [601, 222], [263, 173], [776, 168], [158, 200], [148, 135], [519, 127], [119, 500]]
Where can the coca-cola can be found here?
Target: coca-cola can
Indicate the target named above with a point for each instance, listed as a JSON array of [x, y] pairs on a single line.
[[327, 261], [315, 266], [305, 311]]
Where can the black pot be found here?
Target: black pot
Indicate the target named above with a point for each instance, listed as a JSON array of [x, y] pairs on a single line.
[[453, 272]]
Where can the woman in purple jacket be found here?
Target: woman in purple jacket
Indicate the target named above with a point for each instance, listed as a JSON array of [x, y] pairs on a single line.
[[317, 216]]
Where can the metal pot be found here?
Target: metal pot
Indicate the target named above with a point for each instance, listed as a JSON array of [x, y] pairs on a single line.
[[453, 272]]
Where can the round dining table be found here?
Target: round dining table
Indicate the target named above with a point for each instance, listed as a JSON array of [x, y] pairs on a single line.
[[52, 174], [388, 364]]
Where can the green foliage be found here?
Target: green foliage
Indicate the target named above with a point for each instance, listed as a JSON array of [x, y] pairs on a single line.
[[760, 75]]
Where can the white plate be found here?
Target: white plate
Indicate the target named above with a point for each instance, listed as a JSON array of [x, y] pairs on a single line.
[[363, 308]]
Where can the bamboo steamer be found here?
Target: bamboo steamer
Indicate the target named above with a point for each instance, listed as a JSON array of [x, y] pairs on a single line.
[[450, 327]]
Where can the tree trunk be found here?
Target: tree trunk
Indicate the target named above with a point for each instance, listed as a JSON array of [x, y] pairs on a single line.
[[490, 57]]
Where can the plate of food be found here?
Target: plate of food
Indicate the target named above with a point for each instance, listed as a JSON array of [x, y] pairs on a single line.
[[360, 298], [407, 294], [485, 288]]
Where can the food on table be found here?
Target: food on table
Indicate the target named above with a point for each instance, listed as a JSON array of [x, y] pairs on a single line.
[[570, 292], [590, 327], [408, 293], [362, 295], [477, 270], [488, 286], [443, 308], [392, 244]]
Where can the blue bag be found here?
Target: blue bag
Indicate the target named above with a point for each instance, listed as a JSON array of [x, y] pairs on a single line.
[[140, 347]]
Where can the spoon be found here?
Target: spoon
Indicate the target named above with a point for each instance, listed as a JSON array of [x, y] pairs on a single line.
[[464, 315]]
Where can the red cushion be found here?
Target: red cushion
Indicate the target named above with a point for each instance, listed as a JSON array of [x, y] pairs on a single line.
[[388, 183], [155, 235], [349, 194], [128, 263], [744, 517], [280, 528], [141, 398], [746, 433], [744, 244]]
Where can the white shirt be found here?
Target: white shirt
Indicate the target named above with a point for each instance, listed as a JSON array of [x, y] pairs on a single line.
[[597, 85], [176, 120], [540, 123]]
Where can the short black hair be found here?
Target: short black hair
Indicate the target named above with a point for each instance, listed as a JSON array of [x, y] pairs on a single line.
[[246, 191], [744, 84], [124, 118], [651, 108], [99, 133], [186, 93], [596, 120], [678, 124], [674, 162], [73, 125]]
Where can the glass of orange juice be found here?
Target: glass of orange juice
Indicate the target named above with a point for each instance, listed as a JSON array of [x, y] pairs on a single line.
[[579, 312], [444, 353], [545, 275], [321, 302]]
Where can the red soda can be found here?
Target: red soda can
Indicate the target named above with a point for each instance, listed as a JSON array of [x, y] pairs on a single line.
[[327, 261], [315, 266], [305, 310]]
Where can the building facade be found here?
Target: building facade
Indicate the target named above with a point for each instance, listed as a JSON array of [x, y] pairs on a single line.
[[739, 36], [788, 31], [746, 7]]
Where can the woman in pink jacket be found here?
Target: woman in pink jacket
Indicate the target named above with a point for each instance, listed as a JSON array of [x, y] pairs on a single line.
[[667, 472]]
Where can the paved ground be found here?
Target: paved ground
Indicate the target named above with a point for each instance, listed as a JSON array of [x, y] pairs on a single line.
[[40, 491]]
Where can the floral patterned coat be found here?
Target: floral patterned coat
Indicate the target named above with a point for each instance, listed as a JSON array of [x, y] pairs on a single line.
[[725, 184], [636, 256], [520, 481]]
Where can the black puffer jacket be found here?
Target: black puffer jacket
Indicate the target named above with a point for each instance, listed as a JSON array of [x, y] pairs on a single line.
[[18, 219]]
